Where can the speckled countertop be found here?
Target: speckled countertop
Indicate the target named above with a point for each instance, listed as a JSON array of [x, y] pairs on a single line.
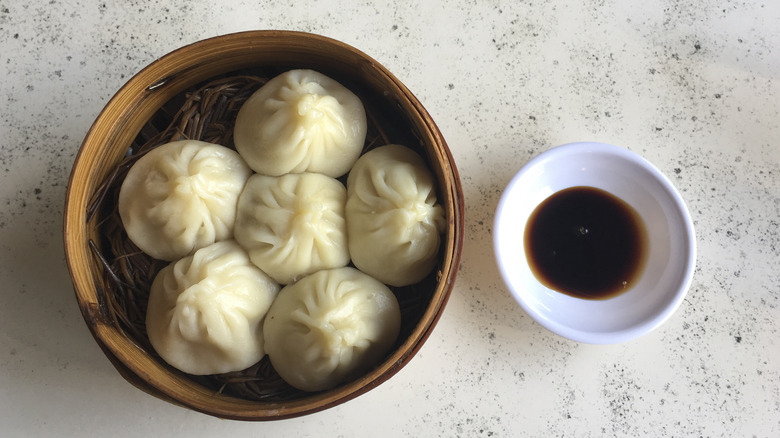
[[693, 86]]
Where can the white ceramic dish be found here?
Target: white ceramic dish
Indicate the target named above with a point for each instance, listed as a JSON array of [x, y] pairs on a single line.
[[672, 244]]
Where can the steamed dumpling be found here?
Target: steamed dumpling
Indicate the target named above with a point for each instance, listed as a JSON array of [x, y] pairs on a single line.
[[293, 225], [182, 196], [301, 121], [393, 220], [329, 327], [205, 311]]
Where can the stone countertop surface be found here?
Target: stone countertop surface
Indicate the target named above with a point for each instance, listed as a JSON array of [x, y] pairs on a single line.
[[694, 87]]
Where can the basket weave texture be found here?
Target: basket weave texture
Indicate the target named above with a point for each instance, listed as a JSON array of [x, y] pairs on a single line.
[[195, 93]]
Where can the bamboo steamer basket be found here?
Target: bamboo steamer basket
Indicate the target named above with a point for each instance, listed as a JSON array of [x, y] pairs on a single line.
[[140, 100]]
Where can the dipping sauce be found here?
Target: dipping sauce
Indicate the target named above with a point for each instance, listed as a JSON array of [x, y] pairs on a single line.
[[587, 243]]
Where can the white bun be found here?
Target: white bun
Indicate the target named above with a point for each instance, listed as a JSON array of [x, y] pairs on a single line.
[[182, 196], [329, 327], [393, 221], [301, 121], [293, 225], [206, 311]]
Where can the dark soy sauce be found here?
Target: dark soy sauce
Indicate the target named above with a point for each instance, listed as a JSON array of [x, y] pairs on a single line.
[[586, 242]]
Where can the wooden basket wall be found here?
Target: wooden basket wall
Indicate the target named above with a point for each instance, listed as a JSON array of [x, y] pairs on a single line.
[[396, 115]]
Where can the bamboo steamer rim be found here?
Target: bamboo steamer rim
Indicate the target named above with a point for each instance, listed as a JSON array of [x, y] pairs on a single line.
[[118, 124]]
